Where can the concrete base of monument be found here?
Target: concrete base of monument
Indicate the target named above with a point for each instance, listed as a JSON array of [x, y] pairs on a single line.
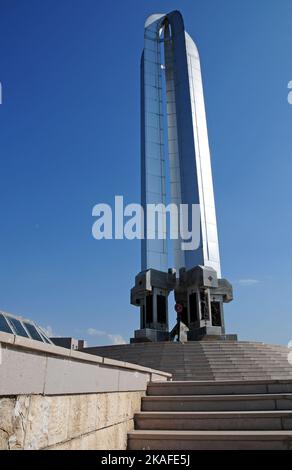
[[206, 360], [210, 333], [205, 333], [149, 334]]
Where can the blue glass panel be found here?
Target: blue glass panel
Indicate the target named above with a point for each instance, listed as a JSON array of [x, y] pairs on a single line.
[[4, 325], [18, 327], [153, 134], [153, 120], [154, 150], [151, 56], [33, 332], [45, 338]]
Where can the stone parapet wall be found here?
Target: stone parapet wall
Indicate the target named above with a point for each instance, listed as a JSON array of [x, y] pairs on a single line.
[[93, 421], [55, 398]]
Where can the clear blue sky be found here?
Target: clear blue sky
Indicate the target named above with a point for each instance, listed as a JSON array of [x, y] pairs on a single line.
[[69, 138]]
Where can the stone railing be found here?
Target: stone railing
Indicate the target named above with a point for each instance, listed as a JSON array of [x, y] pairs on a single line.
[[56, 398]]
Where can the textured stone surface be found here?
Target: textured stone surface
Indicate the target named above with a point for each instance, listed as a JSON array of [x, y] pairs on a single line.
[[13, 422], [59, 419], [112, 438], [6, 421], [82, 415], [54, 397], [87, 421], [37, 423]]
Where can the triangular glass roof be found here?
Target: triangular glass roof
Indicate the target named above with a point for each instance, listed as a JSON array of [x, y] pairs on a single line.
[[19, 326]]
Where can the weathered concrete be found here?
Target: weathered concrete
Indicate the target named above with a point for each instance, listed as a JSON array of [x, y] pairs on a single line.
[[55, 398], [31, 367], [113, 438], [68, 421]]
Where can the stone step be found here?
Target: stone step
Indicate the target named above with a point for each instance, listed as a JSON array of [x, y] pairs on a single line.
[[235, 347], [198, 345], [176, 365], [205, 360], [236, 375], [231, 374], [230, 354], [209, 440], [221, 358], [222, 377], [242, 370], [250, 402], [253, 360], [245, 371], [254, 365], [214, 354], [243, 377], [171, 348], [233, 371], [196, 349], [214, 420], [217, 388]]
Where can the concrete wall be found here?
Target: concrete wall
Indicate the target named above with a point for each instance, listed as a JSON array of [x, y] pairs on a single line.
[[54, 398]]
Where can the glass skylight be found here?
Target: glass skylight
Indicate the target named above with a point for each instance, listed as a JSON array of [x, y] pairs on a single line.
[[22, 327]]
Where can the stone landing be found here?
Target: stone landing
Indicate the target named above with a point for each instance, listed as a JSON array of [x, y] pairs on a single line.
[[206, 360]]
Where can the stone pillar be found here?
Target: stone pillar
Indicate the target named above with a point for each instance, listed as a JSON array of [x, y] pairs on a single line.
[[202, 295], [150, 293]]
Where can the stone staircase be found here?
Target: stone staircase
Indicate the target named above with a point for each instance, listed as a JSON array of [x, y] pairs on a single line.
[[215, 415], [225, 395], [206, 360]]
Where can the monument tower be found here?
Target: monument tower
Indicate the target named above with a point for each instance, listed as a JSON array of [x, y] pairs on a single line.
[[216, 375], [174, 133]]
